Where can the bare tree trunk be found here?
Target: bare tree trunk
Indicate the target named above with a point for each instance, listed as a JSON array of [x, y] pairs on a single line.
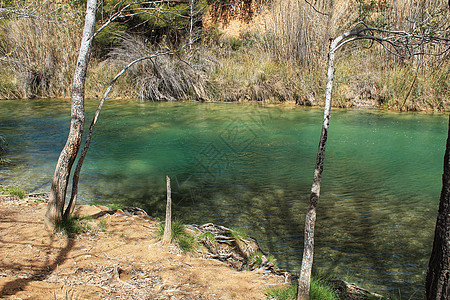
[[308, 251], [191, 23], [70, 150], [168, 224], [437, 285]]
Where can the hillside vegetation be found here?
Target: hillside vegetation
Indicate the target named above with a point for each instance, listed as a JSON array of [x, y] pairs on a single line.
[[253, 50]]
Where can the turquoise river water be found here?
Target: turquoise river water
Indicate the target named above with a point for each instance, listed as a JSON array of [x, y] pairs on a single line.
[[250, 167]]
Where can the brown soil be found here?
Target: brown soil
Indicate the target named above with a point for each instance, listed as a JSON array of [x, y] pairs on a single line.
[[123, 261]]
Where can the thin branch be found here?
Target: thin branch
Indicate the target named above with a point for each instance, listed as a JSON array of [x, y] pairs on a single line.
[[318, 11], [87, 143]]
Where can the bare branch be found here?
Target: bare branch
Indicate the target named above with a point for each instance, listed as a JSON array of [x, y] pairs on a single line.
[[315, 9], [87, 143]]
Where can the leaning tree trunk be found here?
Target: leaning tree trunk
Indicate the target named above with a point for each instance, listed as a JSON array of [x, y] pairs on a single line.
[[437, 285], [308, 251], [70, 150]]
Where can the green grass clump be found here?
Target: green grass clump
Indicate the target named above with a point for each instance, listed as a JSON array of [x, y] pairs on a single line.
[[207, 237], [184, 239], [72, 226], [239, 235], [283, 293], [272, 259], [255, 259], [102, 225], [14, 191], [319, 290]]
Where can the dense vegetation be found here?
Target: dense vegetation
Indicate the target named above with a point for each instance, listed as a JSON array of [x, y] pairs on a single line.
[[272, 56]]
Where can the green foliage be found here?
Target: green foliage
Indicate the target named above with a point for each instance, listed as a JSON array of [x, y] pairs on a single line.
[[107, 39], [14, 191], [184, 239], [72, 226]]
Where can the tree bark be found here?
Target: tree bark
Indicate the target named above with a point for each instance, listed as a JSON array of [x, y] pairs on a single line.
[[167, 237], [69, 152], [437, 284]]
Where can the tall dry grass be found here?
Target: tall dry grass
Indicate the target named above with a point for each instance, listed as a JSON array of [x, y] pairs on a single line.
[[164, 78], [41, 55], [299, 32]]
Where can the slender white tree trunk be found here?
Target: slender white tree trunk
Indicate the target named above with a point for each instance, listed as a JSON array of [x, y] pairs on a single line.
[[70, 150], [167, 237], [308, 251]]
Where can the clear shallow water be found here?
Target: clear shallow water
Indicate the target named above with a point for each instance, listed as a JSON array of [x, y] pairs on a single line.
[[251, 167]]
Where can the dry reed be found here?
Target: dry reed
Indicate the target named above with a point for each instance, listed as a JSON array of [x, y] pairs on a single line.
[[41, 55], [164, 78]]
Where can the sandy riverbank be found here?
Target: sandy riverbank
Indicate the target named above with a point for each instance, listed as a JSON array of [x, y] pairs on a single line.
[[118, 258]]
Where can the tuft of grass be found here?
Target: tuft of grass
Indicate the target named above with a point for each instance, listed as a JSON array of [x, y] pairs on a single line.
[[255, 259], [319, 290], [114, 206], [272, 259], [72, 226], [102, 225], [111, 206], [239, 234], [289, 293], [208, 237], [184, 239], [14, 191]]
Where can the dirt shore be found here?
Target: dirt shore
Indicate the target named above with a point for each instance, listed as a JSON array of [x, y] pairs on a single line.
[[119, 257]]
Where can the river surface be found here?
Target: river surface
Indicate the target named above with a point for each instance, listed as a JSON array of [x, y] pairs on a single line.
[[250, 167]]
